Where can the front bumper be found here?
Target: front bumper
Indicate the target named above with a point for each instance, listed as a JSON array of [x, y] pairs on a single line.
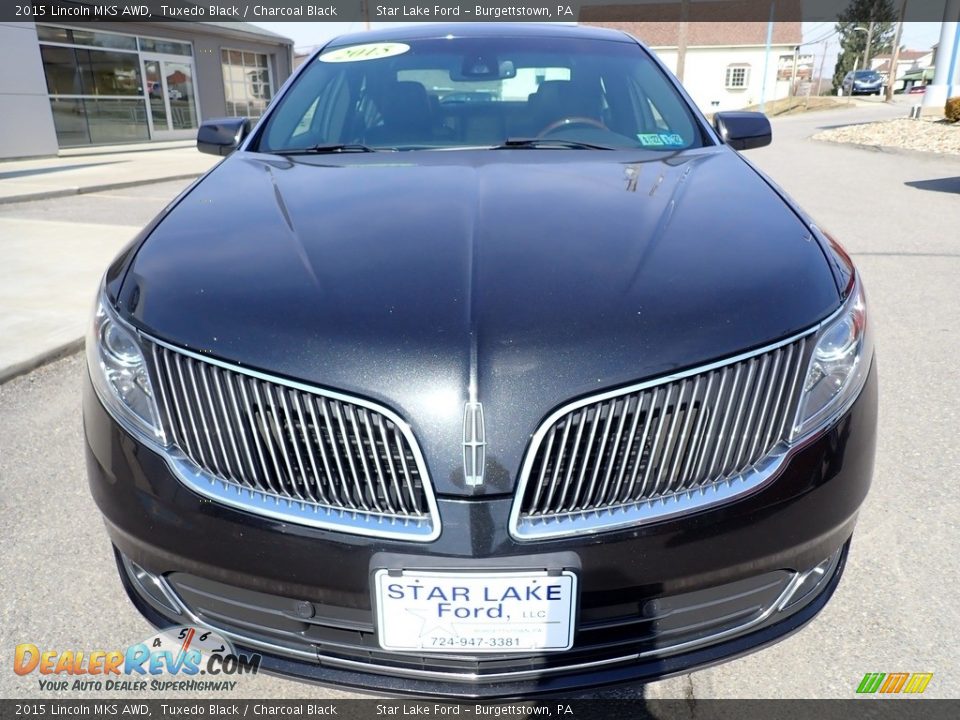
[[655, 600]]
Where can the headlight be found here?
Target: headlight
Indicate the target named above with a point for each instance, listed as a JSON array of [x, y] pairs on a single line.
[[838, 365], [119, 372]]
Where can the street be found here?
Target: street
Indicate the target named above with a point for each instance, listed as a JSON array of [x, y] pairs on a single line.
[[895, 609]]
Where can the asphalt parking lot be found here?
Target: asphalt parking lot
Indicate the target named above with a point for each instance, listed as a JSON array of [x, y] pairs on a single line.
[[896, 608]]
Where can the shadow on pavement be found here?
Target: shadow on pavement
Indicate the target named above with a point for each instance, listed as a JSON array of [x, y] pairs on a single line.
[[947, 184], [58, 168]]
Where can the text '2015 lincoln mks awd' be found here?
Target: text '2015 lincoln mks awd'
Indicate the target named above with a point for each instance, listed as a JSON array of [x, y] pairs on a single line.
[[482, 366]]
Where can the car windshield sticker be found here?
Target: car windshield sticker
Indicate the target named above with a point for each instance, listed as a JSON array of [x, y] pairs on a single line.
[[650, 139], [371, 51], [661, 139]]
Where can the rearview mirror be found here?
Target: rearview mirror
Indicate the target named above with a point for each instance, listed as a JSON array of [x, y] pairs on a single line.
[[743, 130], [223, 135], [483, 67]]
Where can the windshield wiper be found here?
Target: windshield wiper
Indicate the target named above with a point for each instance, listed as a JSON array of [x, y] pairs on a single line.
[[331, 148], [534, 143]]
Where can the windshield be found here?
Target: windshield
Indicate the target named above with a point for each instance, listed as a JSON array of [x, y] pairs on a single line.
[[481, 92], [867, 74]]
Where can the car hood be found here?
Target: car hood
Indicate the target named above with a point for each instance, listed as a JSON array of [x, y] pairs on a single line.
[[532, 276]]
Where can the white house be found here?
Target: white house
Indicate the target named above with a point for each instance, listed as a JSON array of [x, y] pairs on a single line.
[[907, 61], [726, 64]]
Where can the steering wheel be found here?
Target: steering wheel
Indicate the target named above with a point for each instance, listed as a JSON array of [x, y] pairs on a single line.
[[572, 120]]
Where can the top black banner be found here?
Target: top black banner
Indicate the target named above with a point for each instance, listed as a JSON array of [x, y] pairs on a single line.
[[710, 11]]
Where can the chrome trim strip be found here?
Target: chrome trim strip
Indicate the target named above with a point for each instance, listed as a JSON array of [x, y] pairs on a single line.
[[424, 527], [595, 521]]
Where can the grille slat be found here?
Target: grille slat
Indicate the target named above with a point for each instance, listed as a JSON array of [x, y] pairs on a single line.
[[660, 445], [555, 482], [345, 494], [614, 451], [696, 445], [225, 414], [315, 485], [287, 450], [763, 418], [746, 417], [655, 450], [543, 468], [598, 464], [572, 462], [794, 397], [412, 495], [621, 476]]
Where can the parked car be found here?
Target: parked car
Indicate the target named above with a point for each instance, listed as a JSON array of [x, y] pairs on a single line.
[[864, 82], [482, 399]]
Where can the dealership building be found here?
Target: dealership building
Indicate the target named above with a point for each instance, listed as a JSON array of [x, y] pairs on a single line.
[[72, 85]]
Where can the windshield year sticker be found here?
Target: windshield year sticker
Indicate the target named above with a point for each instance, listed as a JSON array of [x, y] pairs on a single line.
[[661, 139], [370, 51]]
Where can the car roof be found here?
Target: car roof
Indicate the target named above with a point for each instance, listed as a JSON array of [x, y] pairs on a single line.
[[424, 31]]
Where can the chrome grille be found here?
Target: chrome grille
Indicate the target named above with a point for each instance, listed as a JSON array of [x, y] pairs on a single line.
[[290, 451], [660, 448]]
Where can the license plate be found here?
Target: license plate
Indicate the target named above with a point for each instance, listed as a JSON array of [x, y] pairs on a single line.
[[473, 612]]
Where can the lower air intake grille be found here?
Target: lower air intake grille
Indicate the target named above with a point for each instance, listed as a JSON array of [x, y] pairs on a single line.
[[285, 450], [660, 448]]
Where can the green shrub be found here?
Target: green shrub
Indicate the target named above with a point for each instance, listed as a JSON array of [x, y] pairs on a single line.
[[952, 109]]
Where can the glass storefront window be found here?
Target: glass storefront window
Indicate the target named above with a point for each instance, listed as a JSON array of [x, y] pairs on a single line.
[[54, 34], [82, 121], [166, 47], [75, 71], [61, 70], [50, 33], [112, 88], [113, 121], [105, 40], [246, 82], [70, 121], [110, 73]]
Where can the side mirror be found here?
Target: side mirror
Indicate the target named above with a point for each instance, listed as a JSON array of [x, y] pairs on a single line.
[[222, 136], [743, 130]]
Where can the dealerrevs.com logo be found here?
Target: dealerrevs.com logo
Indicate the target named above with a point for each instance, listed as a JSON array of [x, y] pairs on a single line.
[[172, 660]]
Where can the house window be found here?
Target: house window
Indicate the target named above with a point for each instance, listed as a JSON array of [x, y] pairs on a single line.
[[738, 76], [246, 82]]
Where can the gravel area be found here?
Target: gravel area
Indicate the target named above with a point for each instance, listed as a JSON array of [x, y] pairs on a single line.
[[937, 136]]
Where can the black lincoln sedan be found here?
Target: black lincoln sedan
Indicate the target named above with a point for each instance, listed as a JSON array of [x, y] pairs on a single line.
[[542, 389]]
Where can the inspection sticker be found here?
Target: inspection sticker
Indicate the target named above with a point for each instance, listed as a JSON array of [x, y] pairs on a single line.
[[650, 139], [370, 51], [672, 139]]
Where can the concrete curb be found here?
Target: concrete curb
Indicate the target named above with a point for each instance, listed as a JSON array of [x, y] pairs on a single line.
[[891, 149], [48, 356], [81, 190]]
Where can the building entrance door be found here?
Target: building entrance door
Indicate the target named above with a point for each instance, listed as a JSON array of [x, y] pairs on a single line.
[[171, 96]]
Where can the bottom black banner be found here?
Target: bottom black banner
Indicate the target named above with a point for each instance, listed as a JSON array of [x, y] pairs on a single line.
[[578, 709]]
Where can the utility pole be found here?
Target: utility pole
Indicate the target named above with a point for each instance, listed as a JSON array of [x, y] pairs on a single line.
[[682, 38], [823, 59], [766, 56], [866, 50], [793, 75], [895, 55]]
